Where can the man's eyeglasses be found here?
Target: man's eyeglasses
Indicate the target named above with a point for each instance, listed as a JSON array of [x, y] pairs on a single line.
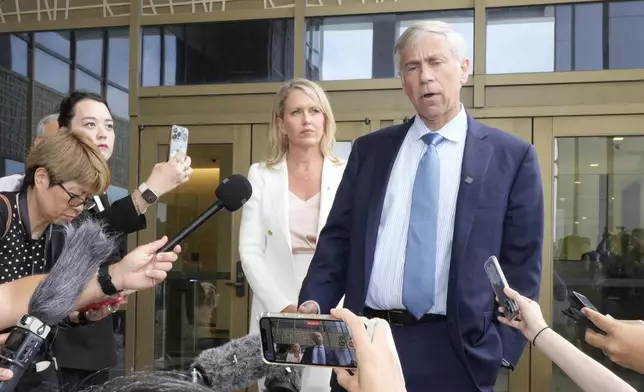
[[77, 201]]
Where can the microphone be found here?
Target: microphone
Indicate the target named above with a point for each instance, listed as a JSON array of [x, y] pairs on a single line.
[[238, 364], [86, 248], [232, 194]]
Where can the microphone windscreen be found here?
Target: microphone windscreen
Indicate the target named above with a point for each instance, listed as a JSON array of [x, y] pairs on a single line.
[[235, 365], [234, 192], [86, 247], [283, 379]]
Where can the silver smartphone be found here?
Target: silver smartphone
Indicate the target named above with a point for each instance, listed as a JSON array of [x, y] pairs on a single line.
[[497, 279], [178, 140], [306, 339]]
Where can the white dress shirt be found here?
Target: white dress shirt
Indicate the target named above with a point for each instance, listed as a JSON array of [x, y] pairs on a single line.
[[385, 285]]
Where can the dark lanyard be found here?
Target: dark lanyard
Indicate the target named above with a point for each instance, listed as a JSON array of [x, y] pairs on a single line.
[[23, 214]]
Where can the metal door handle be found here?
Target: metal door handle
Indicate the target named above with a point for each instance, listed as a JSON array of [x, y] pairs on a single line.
[[234, 284], [240, 281]]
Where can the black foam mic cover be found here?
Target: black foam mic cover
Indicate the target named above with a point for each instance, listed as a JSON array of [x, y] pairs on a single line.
[[234, 192]]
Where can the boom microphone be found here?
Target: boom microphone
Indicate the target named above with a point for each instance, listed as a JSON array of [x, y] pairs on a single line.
[[86, 248], [238, 364], [232, 194]]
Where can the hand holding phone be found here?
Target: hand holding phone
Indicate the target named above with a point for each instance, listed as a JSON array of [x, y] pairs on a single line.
[[497, 279], [577, 302]]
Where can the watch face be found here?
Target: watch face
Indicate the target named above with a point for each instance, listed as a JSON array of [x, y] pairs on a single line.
[[149, 196]]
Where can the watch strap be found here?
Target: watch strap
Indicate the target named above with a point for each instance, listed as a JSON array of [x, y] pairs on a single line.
[[147, 193], [105, 280]]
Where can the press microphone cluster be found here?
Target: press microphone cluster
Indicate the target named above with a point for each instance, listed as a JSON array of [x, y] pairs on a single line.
[[232, 194], [86, 247], [238, 364]]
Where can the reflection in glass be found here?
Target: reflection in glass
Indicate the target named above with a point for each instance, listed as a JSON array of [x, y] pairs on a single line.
[[598, 236], [86, 82], [360, 47], [218, 52], [151, 57], [51, 72], [192, 306], [118, 57], [56, 41], [89, 50], [18, 55], [119, 102], [566, 37]]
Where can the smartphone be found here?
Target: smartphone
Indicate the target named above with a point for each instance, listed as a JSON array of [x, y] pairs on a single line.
[[579, 301], [100, 304], [497, 279], [178, 140], [306, 339]]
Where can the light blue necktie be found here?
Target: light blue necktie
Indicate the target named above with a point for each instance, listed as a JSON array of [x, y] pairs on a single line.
[[320, 356], [420, 254]]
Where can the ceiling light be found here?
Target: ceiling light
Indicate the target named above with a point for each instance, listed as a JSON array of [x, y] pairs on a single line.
[[583, 217], [576, 223], [577, 182], [618, 139], [594, 164], [562, 199]]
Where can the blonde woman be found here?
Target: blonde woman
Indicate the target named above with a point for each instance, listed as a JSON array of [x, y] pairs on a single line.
[[293, 191]]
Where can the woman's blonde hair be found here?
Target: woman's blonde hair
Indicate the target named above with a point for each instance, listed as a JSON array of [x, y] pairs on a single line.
[[277, 144], [69, 156]]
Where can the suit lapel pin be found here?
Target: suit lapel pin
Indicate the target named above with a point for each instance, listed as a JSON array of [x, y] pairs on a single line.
[[469, 180], [270, 233]]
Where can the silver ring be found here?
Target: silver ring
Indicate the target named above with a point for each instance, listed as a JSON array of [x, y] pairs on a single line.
[[109, 308]]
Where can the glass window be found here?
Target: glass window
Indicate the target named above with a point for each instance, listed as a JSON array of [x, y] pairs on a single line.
[[56, 41], [151, 57], [567, 37], [119, 102], [360, 47], [598, 237], [89, 50], [118, 57], [221, 52], [51, 72], [19, 55], [86, 82]]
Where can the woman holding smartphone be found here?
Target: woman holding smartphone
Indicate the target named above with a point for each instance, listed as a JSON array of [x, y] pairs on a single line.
[[587, 373]]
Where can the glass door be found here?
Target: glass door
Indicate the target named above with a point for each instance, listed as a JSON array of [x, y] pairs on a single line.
[[204, 301], [594, 244]]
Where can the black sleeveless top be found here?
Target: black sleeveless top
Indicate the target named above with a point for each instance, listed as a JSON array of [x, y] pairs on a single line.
[[20, 256]]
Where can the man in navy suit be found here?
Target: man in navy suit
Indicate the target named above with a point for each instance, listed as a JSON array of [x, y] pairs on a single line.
[[420, 209]]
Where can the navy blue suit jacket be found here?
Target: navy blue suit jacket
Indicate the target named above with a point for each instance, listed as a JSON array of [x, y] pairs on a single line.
[[499, 213]]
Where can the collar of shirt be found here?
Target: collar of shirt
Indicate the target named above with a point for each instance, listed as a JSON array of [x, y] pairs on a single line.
[[454, 131]]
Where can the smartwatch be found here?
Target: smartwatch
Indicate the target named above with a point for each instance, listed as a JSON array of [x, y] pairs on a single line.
[[147, 194], [105, 280]]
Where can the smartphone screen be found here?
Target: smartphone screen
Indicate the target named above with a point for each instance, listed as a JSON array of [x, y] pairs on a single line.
[[307, 341], [582, 301], [178, 140]]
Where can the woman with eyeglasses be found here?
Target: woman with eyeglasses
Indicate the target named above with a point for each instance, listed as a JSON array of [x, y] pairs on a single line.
[[63, 171]]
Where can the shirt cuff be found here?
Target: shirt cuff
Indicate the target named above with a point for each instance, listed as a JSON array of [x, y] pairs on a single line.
[[506, 364], [312, 302]]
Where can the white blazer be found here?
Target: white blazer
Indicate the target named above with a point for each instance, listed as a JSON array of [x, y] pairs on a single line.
[[265, 238]]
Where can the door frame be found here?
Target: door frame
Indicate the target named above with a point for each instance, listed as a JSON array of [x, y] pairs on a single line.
[[149, 141], [546, 130]]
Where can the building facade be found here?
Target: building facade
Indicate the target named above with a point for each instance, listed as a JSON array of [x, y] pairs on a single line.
[[567, 76]]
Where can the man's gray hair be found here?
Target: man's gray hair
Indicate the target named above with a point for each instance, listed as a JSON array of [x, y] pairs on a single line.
[[40, 129], [417, 29]]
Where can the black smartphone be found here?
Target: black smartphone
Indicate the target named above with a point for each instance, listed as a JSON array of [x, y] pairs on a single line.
[[577, 302], [305, 339], [497, 280]]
